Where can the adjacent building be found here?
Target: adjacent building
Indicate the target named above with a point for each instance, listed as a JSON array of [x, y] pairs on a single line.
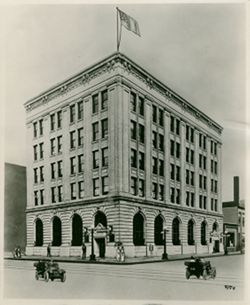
[[114, 151], [15, 201], [234, 220]]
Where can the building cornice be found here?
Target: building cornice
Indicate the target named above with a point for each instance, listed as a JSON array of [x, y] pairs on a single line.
[[131, 67]]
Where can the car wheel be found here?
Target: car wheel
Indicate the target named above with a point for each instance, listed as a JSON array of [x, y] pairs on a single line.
[[46, 276], [63, 277], [204, 274], [37, 276], [187, 274]]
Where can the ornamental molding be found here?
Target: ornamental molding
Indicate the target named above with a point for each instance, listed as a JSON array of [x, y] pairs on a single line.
[[106, 66]]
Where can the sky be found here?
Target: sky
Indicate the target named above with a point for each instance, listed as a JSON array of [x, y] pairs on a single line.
[[198, 50]]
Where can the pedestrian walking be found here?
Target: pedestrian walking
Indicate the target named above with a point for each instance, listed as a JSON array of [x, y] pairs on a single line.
[[49, 250], [84, 250]]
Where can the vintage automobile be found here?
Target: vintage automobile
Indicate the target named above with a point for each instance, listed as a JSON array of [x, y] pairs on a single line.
[[200, 268], [49, 270]]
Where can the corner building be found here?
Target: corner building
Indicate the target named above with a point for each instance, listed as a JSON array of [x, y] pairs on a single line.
[[114, 152]]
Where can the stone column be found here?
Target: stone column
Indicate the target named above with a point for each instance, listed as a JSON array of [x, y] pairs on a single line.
[[183, 163], [148, 149], [196, 168], [167, 157], [219, 175], [65, 154], [208, 174]]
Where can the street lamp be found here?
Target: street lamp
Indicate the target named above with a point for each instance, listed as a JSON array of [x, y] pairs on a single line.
[[92, 255], [165, 255], [225, 246]]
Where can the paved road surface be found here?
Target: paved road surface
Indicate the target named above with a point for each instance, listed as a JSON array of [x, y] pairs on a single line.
[[154, 281]]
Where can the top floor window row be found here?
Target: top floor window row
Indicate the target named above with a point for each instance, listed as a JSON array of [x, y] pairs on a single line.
[[76, 112], [137, 103], [56, 120], [103, 98], [190, 134], [174, 125], [38, 128], [157, 115], [213, 148]]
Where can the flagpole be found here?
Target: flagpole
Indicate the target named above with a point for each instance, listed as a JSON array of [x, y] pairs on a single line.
[[118, 33]]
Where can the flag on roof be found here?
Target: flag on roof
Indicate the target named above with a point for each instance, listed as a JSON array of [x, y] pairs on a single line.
[[129, 23]]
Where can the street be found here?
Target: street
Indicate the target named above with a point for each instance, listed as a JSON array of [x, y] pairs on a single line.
[[153, 281]]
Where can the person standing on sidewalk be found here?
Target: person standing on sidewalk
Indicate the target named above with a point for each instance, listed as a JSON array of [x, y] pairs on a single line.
[[84, 251], [48, 250]]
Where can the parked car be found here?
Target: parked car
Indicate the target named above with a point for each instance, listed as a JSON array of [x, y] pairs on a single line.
[[200, 268], [49, 270]]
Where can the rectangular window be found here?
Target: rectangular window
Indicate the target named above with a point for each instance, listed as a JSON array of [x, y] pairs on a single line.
[[212, 185], [172, 147], [41, 174], [161, 192], [59, 119], [215, 167], [72, 165], [200, 161], [192, 135], [204, 142], [52, 166], [200, 201], [178, 150], [215, 149], [80, 163], [35, 152], [52, 122], [80, 110], [105, 156], [204, 162], [161, 117], [200, 181], [187, 198], [59, 144], [73, 139], [187, 154], [141, 106], [215, 186], [95, 128], [72, 110], [192, 178], [172, 124], [205, 202], [60, 169], [154, 114], [52, 147], [187, 176], [35, 175], [80, 136], [155, 165], [172, 172], [161, 142], [133, 130], [104, 96], [205, 183], [215, 204], [154, 139], [53, 194], [161, 167], [192, 156], [133, 158], [178, 196], [154, 190], [41, 127], [172, 194], [177, 126], [73, 191], [80, 189], [178, 175], [133, 101], [200, 140], [96, 159], [60, 193], [133, 186], [212, 166], [141, 161], [35, 129], [96, 187], [41, 150], [187, 133], [192, 199], [141, 188], [105, 185], [36, 197], [212, 204], [104, 128], [41, 197], [95, 103], [141, 133]]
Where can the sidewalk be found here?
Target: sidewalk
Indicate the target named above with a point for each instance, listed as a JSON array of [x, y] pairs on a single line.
[[113, 261]]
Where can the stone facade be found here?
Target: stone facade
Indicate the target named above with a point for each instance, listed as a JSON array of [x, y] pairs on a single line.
[[128, 150]]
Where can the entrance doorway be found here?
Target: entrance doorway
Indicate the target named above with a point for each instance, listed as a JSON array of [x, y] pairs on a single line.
[[216, 246], [101, 245]]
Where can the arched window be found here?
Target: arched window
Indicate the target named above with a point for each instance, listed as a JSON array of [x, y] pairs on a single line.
[[215, 226], [176, 231], [57, 232], [76, 230], [100, 218], [138, 230], [39, 233], [159, 230], [203, 233], [191, 232]]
